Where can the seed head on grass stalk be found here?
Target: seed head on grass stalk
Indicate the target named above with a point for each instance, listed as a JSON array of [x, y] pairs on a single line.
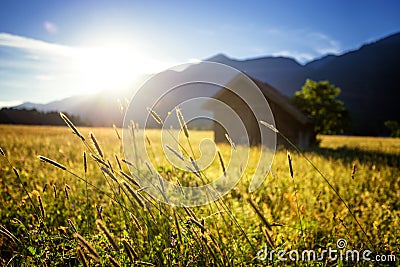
[[176, 153], [44, 188], [41, 208], [230, 141], [198, 224], [84, 162], [221, 161], [84, 243], [72, 126], [324, 177], [182, 122], [290, 164], [96, 145], [4, 231], [55, 190], [116, 131], [72, 225], [196, 167], [270, 126], [107, 234], [135, 196], [82, 258], [99, 212], [130, 179], [259, 213], [130, 251], [193, 171], [118, 162], [109, 173], [66, 192], [190, 212], [161, 181], [113, 261], [132, 129], [178, 228], [99, 160], [155, 116], [295, 192], [353, 171], [149, 168], [110, 166], [52, 162], [22, 184]]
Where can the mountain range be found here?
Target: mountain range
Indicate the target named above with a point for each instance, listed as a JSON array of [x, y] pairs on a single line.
[[369, 78]]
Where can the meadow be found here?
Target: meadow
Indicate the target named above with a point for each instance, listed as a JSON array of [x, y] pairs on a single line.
[[80, 206]]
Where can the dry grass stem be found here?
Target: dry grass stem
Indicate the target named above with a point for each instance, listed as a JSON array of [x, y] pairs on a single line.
[[84, 162], [99, 160], [259, 213], [118, 162], [96, 144], [155, 116], [221, 161], [41, 208], [182, 122], [52, 162], [135, 196], [230, 141], [290, 164], [72, 126], [129, 250], [116, 131], [109, 173], [82, 258], [72, 225], [179, 155], [129, 178], [270, 126], [107, 234], [113, 261], [353, 171], [84, 243]]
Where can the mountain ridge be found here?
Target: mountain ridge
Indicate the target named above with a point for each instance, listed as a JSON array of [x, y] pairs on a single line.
[[368, 77]]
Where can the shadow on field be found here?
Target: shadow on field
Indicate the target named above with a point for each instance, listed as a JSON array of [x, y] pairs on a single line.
[[350, 155]]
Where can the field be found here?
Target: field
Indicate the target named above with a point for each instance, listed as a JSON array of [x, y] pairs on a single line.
[[77, 214]]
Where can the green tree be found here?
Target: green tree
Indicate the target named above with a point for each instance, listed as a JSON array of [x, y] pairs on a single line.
[[394, 128], [318, 100]]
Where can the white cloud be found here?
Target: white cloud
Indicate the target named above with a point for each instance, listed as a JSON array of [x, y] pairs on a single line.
[[299, 56], [302, 44], [323, 44], [34, 45]]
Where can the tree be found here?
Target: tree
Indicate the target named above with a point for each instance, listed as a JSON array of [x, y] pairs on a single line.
[[394, 128], [318, 100]]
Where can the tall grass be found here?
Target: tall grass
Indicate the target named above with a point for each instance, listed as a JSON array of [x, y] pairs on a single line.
[[109, 218]]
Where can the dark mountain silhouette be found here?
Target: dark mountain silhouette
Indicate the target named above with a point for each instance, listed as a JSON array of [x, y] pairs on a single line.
[[369, 79], [100, 109]]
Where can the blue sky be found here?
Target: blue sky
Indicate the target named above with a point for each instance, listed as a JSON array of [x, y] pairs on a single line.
[[50, 50]]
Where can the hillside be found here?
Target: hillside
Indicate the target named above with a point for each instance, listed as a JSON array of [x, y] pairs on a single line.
[[367, 76]]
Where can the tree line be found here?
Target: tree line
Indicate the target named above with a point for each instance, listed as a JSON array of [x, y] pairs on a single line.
[[35, 117]]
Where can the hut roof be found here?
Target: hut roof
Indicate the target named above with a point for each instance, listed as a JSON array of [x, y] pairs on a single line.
[[272, 95]]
